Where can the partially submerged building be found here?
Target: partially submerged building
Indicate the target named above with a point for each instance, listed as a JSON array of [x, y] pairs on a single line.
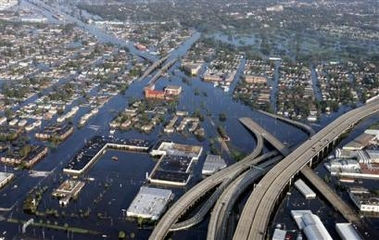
[[310, 224], [365, 200], [212, 164], [175, 163], [360, 142], [67, 190], [150, 203], [5, 178], [97, 146], [304, 189], [346, 231]]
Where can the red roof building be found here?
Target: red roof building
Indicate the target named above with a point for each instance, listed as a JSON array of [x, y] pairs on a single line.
[[154, 94]]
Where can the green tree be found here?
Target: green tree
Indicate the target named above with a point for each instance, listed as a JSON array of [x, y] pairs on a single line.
[[121, 235]]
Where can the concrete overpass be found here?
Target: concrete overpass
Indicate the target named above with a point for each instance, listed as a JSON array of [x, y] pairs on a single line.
[[256, 215], [199, 190], [199, 216], [169, 221], [164, 68], [219, 217], [254, 127], [306, 128], [338, 204], [191, 197], [154, 66]]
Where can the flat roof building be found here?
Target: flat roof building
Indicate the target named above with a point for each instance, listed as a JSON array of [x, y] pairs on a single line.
[[279, 234], [360, 142], [212, 164], [191, 68], [173, 90], [5, 178], [311, 225], [347, 232], [150, 203], [174, 165], [365, 200], [304, 189], [373, 156], [67, 190], [171, 148]]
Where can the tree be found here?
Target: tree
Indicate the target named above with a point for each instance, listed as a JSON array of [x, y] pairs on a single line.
[[121, 235], [222, 117]]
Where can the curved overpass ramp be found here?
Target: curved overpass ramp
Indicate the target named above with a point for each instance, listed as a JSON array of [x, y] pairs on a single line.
[[261, 203], [306, 128], [220, 213], [189, 198]]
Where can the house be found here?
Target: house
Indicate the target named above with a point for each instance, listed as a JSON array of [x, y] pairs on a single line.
[[154, 94], [173, 90]]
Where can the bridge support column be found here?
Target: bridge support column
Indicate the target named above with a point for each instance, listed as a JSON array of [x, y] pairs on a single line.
[[290, 182]]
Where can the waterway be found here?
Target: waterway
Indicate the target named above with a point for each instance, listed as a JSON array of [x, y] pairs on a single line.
[[125, 176], [128, 174]]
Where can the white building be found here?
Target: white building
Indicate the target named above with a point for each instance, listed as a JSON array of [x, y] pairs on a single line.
[[373, 156], [304, 189], [374, 132], [150, 203], [347, 232], [212, 164], [3, 120], [365, 200], [343, 165], [279, 234], [6, 4], [5, 178], [311, 225]]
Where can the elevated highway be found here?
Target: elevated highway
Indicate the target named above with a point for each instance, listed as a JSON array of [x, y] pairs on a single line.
[[254, 127], [195, 193], [167, 222], [199, 216], [330, 195], [261, 204], [164, 68], [218, 223], [154, 66], [219, 217], [306, 128]]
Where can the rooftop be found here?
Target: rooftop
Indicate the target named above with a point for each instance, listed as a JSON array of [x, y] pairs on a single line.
[[212, 164], [4, 176], [149, 203]]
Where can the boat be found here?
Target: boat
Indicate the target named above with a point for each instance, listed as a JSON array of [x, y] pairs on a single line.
[[115, 158]]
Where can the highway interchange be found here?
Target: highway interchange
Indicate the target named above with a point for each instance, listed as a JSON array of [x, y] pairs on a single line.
[[259, 207], [256, 214]]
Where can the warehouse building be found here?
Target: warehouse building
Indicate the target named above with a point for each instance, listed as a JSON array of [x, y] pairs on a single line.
[[5, 178], [365, 200], [347, 232], [360, 142], [212, 164], [304, 189], [311, 225], [150, 203]]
